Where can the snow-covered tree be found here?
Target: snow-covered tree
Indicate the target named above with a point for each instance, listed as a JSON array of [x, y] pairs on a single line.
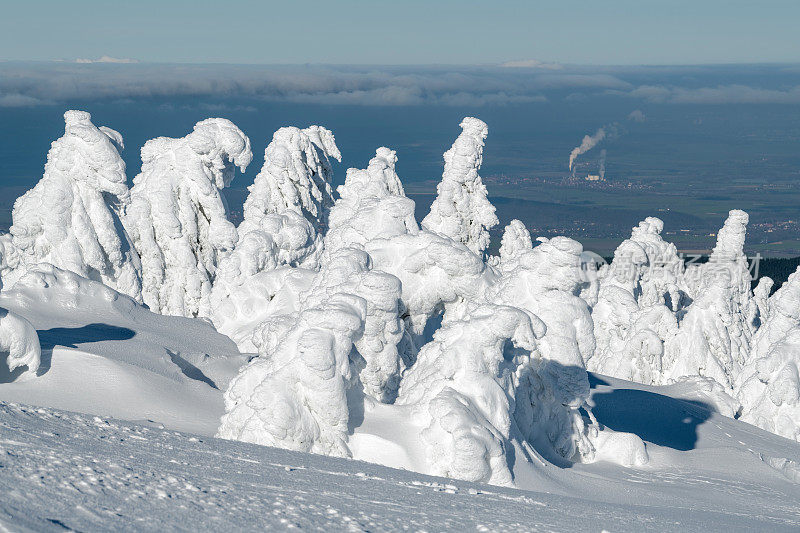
[[71, 218], [462, 391], [295, 180], [177, 216], [19, 343], [371, 205], [714, 335], [515, 242], [768, 387], [285, 214], [461, 209], [296, 176], [633, 316], [343, 337]]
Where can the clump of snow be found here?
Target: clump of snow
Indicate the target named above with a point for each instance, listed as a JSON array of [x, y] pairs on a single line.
[[71, 218], [462, 389], [19, 343], [177, 216], [371, 205], [515, 242], [295, 394], [295, 183], [461, 209]]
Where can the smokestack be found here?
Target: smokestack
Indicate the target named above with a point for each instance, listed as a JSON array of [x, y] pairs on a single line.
[[589, 142], [602, 171]]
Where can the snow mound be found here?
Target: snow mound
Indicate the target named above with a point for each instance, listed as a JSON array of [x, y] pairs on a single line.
[[71, 218], [177, 216], [104, 353], [19, 343]]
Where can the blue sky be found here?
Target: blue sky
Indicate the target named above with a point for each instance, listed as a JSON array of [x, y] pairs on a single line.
[[404, 32]]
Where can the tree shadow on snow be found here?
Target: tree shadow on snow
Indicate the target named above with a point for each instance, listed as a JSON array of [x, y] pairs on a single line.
[[655, 418], [72, 337]]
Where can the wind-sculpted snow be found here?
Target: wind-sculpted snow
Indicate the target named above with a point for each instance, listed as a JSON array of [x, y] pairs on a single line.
[[295, 394], [768, 386], [19, 343], [377, 338], [285, 216], [71, 218], [633, 315], [462, 389], [544, 284], [434, 271], [461, 210], [371, 205], [177, 217], [295, 177], [713, 339], [292, 195]]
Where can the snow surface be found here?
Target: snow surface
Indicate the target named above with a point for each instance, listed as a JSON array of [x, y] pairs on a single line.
[[105, 354], [62, 470]]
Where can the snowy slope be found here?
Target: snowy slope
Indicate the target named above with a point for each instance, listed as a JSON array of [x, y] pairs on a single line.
[[104, 354], [65, 471]]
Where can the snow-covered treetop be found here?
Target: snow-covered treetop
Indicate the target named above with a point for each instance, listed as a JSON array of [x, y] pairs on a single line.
[[730, 239], [462, 210], [516, 241], [208, 153], [372, 205], [70, 219], [379, 179], [177, 216], [295, 177]]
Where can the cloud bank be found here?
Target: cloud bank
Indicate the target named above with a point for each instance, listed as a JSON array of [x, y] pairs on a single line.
[[106, 59], [514, 82]]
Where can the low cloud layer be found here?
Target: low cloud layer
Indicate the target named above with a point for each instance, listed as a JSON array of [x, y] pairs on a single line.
[[515, 82], [106, 59], [722, 94]]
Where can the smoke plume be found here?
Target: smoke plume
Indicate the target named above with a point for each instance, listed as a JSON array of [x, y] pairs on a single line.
[[589, 142]]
